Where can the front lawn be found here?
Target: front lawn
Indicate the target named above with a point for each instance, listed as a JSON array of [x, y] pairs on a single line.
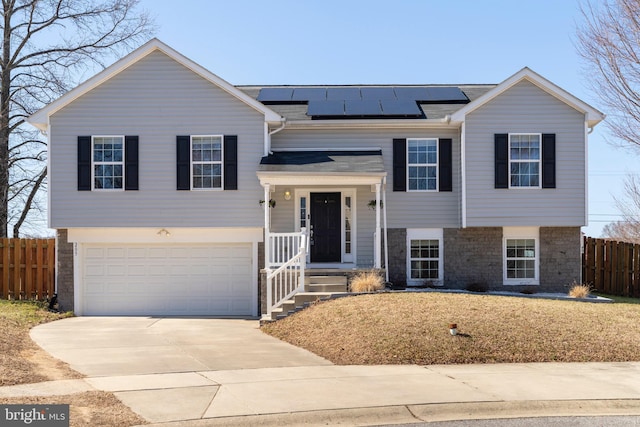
[[413, 328]]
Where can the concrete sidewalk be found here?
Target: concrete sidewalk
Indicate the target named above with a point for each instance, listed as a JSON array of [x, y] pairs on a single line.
[[370, 395], [227, 372]]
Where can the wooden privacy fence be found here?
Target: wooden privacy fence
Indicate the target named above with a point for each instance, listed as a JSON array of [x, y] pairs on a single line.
[[27, 268], [611, 267]]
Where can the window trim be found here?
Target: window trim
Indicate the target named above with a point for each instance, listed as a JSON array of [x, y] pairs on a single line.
[[539, 161], [425, 234], [513, 233], [436, 165], [220, 162], [94, 163]]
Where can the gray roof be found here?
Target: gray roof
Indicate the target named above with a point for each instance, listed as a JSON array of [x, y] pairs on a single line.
[[293, 112], [323, 161]]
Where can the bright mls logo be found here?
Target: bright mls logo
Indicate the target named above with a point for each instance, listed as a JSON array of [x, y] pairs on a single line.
[[34, 415]]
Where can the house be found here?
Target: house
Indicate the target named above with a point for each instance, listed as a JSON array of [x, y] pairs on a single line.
[[165, 182]]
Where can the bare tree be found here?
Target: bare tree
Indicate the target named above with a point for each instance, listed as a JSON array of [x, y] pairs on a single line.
[[46, 46], [628, 229], [609, 42]]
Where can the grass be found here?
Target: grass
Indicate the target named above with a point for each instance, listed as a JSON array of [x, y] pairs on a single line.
[[412, 328], [23, 362]]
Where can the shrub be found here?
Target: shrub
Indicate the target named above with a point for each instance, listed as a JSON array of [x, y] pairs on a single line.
[[367, 281], [579, 290]]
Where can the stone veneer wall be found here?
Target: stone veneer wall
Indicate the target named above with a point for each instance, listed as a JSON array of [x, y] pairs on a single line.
[[397, 255], [560, 258], [473, 256], [64, 271]]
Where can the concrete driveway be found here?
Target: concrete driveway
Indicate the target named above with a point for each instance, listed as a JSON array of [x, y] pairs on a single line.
[[117, 346]]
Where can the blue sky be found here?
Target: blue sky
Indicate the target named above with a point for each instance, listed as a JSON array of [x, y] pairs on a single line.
[[402, 42]]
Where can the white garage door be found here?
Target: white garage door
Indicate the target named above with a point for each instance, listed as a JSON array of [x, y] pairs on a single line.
[[185, 279]]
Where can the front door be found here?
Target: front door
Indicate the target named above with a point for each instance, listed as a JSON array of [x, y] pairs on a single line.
[[326, 226]]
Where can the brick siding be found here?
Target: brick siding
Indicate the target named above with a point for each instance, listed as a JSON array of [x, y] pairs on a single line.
[[64, 271]]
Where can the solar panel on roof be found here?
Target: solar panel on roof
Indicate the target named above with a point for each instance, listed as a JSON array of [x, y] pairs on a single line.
[[446, 93], [360, 107], [411, 93], [275, 94], [343, 93], [377, 93], [400, 107], [325, 108], [309, 94]]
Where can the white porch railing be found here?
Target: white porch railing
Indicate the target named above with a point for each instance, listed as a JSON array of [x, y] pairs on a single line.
[[288, 278], [284, 246]]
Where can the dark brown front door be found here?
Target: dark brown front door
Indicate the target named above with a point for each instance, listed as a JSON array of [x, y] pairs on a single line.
[[326, 223]]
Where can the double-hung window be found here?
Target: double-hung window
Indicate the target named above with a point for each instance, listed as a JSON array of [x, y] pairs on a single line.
[[422, 164], [206, 162], [524, 160], [424, 263], [108, 162], [521, 255]]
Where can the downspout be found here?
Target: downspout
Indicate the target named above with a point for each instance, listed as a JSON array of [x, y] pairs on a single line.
[[463, 175], [378, 237], [386, 234], [267, 135]]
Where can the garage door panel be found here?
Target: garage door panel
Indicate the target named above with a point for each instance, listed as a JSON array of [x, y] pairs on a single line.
[[168, 280]]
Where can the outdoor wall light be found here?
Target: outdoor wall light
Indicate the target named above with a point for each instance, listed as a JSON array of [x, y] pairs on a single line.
[[287, 194], [164, 233]]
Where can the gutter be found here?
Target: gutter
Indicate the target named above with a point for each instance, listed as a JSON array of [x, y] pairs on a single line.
[[267, 135]]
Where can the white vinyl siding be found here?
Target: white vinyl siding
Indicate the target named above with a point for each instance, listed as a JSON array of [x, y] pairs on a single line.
[[404, 209], [163, 99], [525, 108]]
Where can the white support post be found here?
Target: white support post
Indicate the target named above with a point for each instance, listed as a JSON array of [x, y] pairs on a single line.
[[386, 233], [267, 231], [377, 261]]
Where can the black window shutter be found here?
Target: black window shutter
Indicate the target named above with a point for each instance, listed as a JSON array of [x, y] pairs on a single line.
[[400, 164], [548, 160], [84, 163], [230, 162], [501, 141], [183, 161], [445, 167], [130, 162]]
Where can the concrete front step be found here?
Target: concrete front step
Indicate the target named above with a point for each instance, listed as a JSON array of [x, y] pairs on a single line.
[[325, 287], [322, 283], [318, 286], [319, 280], [300, 301]]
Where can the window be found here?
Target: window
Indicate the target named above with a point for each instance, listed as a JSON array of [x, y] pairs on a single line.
[[422, 164], [108, 162], [424, 263], [303, 212], [521, 255], [524, 160], [347, 225], [206, 162]]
